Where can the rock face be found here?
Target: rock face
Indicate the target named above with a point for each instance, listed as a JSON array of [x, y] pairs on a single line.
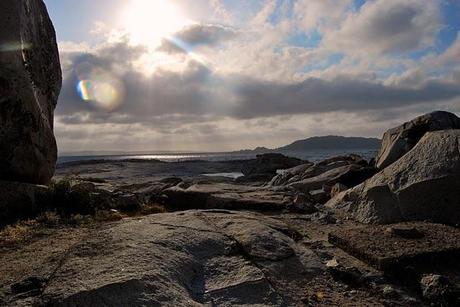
[[422, 185], [19, 200], [309, 178], [228, 196], [30, 82], [398, 141], [268, 164], [193, 258]]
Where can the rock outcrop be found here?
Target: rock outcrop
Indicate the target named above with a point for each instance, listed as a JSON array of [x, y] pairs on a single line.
[[225, 196], [30, 82], [422, 185], [398, 141], [193, 258], [266, 165], [309, 178], [20, 200]]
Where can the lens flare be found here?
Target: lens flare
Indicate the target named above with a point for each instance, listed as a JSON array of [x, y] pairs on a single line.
[[83, 89], [99, 87], [186, 48]]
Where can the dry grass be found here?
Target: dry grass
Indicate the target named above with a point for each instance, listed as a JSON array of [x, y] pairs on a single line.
[[19, 232], [154, 208]]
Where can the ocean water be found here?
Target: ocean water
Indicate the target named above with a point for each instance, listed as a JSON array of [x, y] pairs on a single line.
[[313, 156]]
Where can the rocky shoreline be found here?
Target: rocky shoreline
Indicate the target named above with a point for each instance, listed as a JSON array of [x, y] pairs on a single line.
[[295, 237], [340, 232]]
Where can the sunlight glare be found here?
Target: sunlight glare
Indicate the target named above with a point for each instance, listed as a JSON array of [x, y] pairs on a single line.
[[149, 21]]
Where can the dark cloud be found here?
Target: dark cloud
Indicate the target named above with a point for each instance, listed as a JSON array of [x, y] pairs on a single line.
[[197, 35], [198, 94]]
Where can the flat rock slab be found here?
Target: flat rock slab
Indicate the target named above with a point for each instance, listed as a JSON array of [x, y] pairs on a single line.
[[393, 247], [226, 196], [191, 258]]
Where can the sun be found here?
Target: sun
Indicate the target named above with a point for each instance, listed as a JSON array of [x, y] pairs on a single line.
[[148, 21]]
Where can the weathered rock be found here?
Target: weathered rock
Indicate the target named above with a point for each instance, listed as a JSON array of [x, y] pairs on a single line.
[[348, 170], [347, 175], [30, 82], [302, 204], [269, 164], [20, 200], [422, 185], [193, 258], [337, 189], [437, 289], [387, 252], [225, 196], [398, 141], [405, 232]]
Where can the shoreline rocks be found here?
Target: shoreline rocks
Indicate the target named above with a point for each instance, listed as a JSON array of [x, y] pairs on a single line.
[[400, 140], [422, 185]]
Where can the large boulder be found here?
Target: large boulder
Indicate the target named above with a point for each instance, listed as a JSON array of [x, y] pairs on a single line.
[[422, 185], [268, 164], [20, 200], [398, 141], [30, 82]]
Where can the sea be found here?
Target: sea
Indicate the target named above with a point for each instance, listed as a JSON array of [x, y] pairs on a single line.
[[311, 155]]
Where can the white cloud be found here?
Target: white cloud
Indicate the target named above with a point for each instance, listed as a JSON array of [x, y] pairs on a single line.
[[388, 26]]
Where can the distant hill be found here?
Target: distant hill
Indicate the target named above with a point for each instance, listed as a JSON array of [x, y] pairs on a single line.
[[331, 142]]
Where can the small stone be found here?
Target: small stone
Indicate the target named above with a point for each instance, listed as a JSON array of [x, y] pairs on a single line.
[[337, 189], [332, 263], [389, 291]]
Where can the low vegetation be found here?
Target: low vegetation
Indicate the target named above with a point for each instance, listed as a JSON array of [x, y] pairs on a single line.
[[71, 202]]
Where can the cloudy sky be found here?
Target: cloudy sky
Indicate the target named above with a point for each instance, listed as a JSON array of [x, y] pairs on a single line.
[[214, 75]]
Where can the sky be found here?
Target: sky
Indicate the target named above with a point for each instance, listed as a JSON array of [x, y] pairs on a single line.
[[218, 75]]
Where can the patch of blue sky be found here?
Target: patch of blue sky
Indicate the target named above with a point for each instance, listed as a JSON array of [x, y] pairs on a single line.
[[244, 10], [330, 61], [305, 40], [451, 16], [66, 14], [284, 9], [357, 4]]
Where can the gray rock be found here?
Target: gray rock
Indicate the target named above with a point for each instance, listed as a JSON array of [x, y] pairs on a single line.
[[20, 200], [348, 170], [30, 82], [337, 189], [398, 141], [269, 164], [329, 178], [225, 196], [302, 204], [422, 185], [437, 288], [192, 258]]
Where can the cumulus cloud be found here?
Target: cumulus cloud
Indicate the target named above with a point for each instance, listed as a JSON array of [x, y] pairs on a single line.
[[198, 91], [197, 35], [255, 87], [388, 26]]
